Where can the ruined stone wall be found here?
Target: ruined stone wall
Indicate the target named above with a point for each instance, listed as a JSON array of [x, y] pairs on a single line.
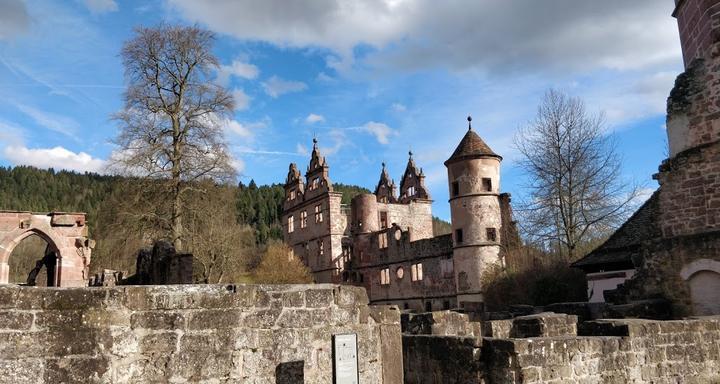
[[65, 233], [191, 333], [661, 266], [608, 351], [436, 289], [617, 351], [416, 215]]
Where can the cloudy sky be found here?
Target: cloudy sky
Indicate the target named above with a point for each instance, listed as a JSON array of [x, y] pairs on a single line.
[[371, 79]]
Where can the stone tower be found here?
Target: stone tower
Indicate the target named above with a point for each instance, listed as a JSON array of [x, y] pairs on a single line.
[[474, 181]]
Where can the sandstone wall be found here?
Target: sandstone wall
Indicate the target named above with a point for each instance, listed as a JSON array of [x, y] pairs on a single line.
[[607, 351], [191, 333]]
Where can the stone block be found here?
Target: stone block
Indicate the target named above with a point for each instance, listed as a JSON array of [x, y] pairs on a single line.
[[214, 318], [16, 320], [159, 342], [319, 298], [157, 320]]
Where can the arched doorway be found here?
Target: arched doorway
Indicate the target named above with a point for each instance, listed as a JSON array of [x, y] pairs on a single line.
[[703, 279], [33, 262], [66, 233]]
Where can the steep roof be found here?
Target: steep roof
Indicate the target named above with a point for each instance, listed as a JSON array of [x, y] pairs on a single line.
[[617, 251], [471, 146]]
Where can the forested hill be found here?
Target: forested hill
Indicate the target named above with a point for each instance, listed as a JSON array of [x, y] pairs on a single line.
[[31, 189]]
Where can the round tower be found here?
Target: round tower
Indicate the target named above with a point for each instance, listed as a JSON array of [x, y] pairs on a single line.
[[474, 181], [365, 213]]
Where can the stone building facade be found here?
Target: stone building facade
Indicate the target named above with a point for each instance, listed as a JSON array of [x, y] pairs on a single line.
[[384, 240], [671, 247]]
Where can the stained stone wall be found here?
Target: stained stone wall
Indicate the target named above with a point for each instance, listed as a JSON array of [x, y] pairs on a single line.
[[604, 351], [192, 333]]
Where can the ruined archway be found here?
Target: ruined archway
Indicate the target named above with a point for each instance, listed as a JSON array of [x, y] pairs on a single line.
[[703, 279], [33, 262], [66, 235]]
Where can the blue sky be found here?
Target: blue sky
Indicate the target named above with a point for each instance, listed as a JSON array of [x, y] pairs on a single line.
[[370, 79]]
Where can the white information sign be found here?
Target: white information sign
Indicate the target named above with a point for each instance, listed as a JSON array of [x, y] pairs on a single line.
[[345, 354]]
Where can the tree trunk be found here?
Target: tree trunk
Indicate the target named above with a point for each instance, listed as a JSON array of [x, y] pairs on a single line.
[[177, 225]]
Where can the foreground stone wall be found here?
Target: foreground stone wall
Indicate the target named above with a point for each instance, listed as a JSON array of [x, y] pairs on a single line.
[[619, 351], [191, 333], [606, 351]]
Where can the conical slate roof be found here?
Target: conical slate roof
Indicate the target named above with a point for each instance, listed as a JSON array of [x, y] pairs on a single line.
[[471, 146]]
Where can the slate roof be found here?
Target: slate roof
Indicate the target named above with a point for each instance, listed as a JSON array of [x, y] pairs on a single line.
[[617, 251], [471, 146]]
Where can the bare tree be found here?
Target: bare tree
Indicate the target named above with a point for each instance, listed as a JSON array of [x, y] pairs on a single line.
[[576, 191], [171, 123], [280, 266], [221, 247]]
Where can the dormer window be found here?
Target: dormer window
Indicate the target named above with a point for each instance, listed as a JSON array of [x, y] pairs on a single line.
[[411, 191], [292, 194], [316, 182]]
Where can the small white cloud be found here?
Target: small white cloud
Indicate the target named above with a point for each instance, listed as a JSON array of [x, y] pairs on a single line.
[[324, 78], [242, 100], [51, 121], [234, 126], [302, 150], [57, 157], [380, 130], [238, 164], [101, 6], [397, 107], [313, 118], [237, 68], [276, 86]]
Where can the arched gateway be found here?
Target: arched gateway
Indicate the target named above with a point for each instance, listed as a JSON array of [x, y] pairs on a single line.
[[65, 232]]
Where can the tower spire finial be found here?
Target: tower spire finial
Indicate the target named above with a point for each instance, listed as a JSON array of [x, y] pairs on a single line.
[[469, 119]]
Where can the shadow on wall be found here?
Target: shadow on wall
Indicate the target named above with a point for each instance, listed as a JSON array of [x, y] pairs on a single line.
[[290, 372]]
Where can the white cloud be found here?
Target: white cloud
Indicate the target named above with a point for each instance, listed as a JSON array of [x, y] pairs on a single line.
[[313, 118], [238, 164], [397, 107], [101, 6], [14, 18], [234, 126], [51, 121], [276, 86], [380, 130], [302, 150], [526, 35], [237, 68], [242, 100], [56, 157], [10, 134]]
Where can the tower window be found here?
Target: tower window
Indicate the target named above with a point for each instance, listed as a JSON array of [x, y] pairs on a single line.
[[487, 184], [383, 220], [318, 214], [291, 224], [416, 272], [382, 240], [455, 188], [491, 234], [458, 236], [385, 276], [303, 219]]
